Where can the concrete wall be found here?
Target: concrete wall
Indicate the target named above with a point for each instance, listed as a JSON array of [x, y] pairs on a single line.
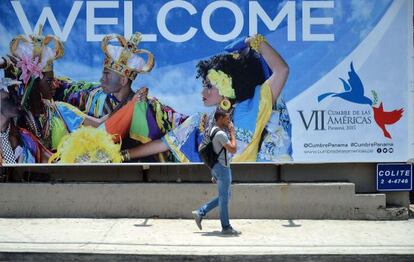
[[361, 174], [176, 200]]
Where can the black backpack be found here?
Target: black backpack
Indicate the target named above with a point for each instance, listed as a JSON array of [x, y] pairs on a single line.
[[206, 150]]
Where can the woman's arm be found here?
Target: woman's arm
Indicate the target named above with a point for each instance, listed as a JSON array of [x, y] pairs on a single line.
[[148, 149], [93, 121], [276, 63]]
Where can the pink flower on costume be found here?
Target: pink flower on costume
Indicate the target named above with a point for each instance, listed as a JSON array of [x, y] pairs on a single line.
[[30, 68]]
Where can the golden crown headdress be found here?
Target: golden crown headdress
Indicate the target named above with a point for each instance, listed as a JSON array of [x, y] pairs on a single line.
[[36, 45], [125, 59]]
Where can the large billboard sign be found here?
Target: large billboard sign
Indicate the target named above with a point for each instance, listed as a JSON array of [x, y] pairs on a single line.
[[130, 81]]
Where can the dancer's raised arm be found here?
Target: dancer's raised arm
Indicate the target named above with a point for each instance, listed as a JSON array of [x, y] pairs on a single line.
[[276, 63]]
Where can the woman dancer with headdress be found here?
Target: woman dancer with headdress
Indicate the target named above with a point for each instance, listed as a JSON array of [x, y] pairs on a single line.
[[242, 84]]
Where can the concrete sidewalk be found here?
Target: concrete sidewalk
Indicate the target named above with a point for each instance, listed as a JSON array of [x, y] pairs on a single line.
[[182, 237]]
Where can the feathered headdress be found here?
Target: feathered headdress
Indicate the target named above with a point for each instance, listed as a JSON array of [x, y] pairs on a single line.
[[87, 145]]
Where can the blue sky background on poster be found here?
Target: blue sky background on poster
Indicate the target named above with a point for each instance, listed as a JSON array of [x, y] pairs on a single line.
[[353, 20]]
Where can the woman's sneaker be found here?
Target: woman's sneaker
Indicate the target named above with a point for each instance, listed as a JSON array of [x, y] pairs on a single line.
[[230, 231], [197, 219]]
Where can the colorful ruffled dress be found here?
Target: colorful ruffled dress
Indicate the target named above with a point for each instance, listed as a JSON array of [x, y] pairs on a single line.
[[143, 121], [86, 96], [262, 134], [31, 148], [59, 119]]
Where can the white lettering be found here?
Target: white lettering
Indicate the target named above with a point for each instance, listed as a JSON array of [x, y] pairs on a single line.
[[255, 13], [401, 172], [128, 30], [47, 15], [288, 10], [162, 16], [308, 21], [238, 25], [91, 20]]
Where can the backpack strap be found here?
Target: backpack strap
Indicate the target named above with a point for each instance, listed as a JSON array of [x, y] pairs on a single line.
[[223, 148], [214, 133], [225, 155]]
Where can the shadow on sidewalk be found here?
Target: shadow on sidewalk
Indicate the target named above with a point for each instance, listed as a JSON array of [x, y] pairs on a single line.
[[144, 224], [215, 234], [292, 224]]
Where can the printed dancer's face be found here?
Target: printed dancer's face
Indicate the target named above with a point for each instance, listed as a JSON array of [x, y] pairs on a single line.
[[110, 82], [8, 109], [46, 87], [210, 94]]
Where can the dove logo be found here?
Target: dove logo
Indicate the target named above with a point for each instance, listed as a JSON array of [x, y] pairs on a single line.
[[354, 93], [354, 90], [383, 118]]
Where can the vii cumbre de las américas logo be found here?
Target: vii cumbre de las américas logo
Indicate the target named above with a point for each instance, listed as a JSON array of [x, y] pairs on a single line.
[[348, 119]]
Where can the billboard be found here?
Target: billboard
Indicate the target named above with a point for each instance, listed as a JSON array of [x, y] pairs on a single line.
[[329, 81]]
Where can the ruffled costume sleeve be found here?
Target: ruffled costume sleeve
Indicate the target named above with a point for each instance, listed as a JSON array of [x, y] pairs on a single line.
[[254, 110], [32, 148], [183, 140], [277, 144], [143, 121], [87, 96], [66, 119]]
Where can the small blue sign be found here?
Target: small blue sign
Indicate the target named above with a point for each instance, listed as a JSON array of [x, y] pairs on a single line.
[[394, 177]]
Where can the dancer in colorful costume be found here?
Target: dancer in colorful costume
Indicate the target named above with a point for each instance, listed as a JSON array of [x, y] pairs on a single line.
[[241, 83], [141, 118], [46, 119], [17, 145], [121, 66]]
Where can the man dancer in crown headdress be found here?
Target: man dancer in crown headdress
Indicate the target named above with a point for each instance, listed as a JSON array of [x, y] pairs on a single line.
[[137, 118], [115, 89]]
